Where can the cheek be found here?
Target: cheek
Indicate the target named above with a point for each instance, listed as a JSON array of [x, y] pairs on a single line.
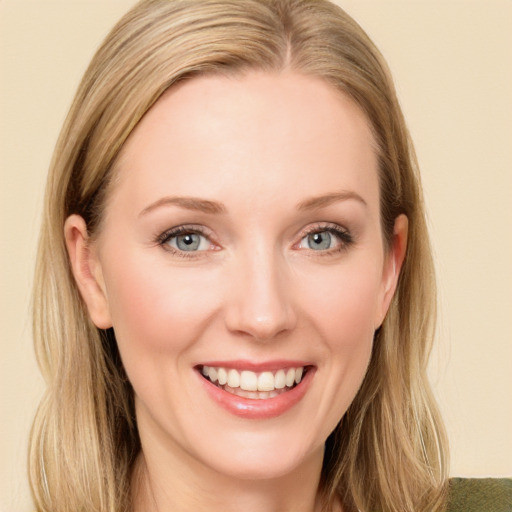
[[155, 308], [347, 315], [344, 304], [344, 316]]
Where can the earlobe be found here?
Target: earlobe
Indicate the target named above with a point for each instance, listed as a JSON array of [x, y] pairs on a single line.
[[87, 271], [393, 265]]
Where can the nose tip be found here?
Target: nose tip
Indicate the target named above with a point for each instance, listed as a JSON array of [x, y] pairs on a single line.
[[261, 307], [263, 327]]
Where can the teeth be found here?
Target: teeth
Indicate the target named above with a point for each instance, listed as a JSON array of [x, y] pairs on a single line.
[[255, 395], [212, 374], [266, 381], [233, 379], [249, 381], [280, 379], [290, 377], [251, 384], [222, 376]]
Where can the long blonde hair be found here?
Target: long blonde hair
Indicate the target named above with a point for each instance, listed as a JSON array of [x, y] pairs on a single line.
[[389, 451]]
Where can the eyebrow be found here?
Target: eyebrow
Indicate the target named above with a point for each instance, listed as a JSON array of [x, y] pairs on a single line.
[[323, 201], [189, 203], [214, 207]]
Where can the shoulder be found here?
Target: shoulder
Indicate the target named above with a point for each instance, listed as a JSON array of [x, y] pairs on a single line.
[[480, 495]]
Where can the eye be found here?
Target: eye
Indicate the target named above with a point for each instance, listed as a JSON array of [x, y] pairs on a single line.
[[185, 239], [318, 241], [189, 242], [326, 239]]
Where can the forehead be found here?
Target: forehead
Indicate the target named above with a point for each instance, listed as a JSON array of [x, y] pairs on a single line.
[[259, 135]]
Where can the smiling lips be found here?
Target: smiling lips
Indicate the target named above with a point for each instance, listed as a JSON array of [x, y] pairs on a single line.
[[249, 384], [256, 393]]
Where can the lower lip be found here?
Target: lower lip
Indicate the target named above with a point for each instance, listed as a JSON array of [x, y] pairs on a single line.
[[257, 409]]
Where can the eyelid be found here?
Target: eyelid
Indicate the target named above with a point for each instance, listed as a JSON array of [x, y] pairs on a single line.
[[175, 231], [343, 234], [180, 230]]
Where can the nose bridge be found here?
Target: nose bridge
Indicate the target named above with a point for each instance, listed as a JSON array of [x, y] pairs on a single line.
[[261, 304]]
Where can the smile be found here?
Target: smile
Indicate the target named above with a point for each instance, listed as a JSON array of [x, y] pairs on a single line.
[[253, 385], [256, 391]]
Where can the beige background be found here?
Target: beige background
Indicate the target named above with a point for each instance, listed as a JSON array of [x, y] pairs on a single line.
[[452, 62]]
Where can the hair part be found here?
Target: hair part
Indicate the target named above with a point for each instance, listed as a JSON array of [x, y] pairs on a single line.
[[389, 451]]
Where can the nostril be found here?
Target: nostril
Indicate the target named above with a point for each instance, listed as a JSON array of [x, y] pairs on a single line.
[[260, 328]]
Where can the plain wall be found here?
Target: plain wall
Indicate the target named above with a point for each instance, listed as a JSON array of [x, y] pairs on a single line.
[[452, 63]]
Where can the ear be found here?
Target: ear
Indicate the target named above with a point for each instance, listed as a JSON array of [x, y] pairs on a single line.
[[87, 271], [392, 266]]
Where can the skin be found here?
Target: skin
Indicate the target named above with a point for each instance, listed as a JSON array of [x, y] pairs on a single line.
[[260, 146]]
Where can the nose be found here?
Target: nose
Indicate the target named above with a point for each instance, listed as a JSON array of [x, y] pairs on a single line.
[[260, 303]]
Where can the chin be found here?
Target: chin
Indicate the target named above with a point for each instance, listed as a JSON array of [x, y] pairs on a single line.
[[259, 455], [258, 468]]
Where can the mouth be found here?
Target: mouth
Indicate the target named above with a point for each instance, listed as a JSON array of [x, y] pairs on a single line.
[[256, 391], [254, 385]]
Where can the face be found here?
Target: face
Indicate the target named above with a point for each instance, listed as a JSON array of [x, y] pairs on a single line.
[[242, 266]]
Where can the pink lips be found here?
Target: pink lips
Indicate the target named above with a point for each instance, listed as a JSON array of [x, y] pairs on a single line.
[[264, 408]]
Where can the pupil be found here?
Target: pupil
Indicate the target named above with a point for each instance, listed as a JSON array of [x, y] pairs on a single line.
[[188, 242], [320, 240]]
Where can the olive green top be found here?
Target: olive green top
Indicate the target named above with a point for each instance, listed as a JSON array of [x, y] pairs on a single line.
[[480, 495]]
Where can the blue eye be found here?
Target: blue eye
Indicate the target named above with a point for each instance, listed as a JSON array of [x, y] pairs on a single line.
[[319, 241], [326, 239], [188, 242], [184, 240]]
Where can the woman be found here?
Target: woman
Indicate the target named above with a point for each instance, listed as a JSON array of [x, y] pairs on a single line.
[[227, 309]]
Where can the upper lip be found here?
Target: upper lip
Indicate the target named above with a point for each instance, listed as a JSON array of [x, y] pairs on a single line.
[[263, 366]]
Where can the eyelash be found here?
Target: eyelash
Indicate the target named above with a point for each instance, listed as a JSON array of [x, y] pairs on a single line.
[[166, 236], [343, 235]]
